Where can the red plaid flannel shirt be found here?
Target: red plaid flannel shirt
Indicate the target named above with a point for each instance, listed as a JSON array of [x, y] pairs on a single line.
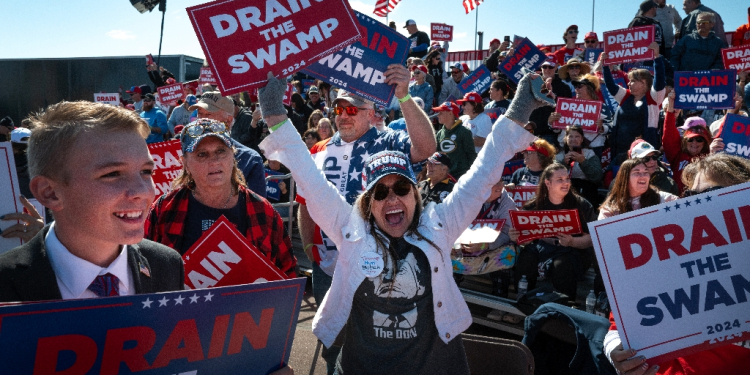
[[266, 231]]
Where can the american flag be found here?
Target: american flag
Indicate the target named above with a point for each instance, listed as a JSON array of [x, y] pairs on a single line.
[[470, 5], [383, 7]]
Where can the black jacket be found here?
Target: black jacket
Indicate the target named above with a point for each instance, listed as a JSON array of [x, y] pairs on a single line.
[[27, 275], [658, 31]]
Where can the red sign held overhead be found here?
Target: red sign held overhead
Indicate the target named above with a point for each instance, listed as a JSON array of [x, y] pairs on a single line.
[[223, 257], [245, 39], [170, 94], [737, 58], [578, 112], [441, 32], [542, 224], [167, 165], [207, 76], [628, 45]]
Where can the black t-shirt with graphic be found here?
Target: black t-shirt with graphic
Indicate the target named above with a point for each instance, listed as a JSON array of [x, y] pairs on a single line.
[[525, 176], [200, 218], [391, 328]]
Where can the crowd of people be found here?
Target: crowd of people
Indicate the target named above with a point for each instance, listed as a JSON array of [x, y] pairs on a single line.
[[399, 183]]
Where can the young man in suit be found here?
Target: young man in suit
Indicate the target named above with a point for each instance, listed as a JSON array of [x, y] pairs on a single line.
[[90, 165]]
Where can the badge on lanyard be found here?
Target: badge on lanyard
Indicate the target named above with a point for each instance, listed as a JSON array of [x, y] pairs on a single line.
[[371, 264]]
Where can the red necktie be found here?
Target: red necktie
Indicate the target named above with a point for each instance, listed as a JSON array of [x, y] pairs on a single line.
[[105, 285]]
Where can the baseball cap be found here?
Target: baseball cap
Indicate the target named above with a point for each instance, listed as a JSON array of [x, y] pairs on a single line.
[[191, 99], [457, 66], [20, 135], [353, 99], [385, 163], [640, 148], [7, 122], [571, 27], [494, 41], [438, 158], [693, 121], [550, 60], [447, 106], [149, 96], [313, 89], [410, 22], [470, 97], [695, 131], [212, 101], [591, 34], [419, 101], [133, 90], [193, 133]]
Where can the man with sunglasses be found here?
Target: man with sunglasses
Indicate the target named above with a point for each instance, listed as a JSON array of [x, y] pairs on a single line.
[[155, 118], [693, 9], [450, 86], [342, 159], [701, 49], [570, 37]]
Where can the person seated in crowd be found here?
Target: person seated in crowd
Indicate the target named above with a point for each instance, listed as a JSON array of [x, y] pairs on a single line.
[[325, 129], [555, 87], [210, 185], [419, 87], [474, 119], [660, 173], [299, 112], [632, 190], [315, 116], [400, 124], [699, 50], [311, 137], [454, 140], [438, 183], [574, 69], [711, 173], [681, 151], [569, 51], [499, 91], [450, 86], [638, 112], [314, 101], [689, 24], [410, 286], [587, 88], [536, 158], [586, 167], [212, 105], [89, 164], [283, 194], [565, 258]]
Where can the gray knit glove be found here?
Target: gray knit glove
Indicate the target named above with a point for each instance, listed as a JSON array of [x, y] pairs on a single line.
[[524, 101], [271, 97]]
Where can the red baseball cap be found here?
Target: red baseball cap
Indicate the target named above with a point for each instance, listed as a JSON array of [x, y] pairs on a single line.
[[133, 90], [470, 97], [697, 131], [495, 41], [591, 34], [447, 106], [465, 67]]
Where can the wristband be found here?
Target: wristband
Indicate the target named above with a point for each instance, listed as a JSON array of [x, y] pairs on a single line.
[[405, 98], [273, 128]]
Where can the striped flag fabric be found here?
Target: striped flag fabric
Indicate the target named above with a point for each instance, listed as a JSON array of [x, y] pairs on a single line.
[[383, 7], [470, 5]]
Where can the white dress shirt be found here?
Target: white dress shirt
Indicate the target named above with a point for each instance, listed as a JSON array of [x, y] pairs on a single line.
[[74, 275]]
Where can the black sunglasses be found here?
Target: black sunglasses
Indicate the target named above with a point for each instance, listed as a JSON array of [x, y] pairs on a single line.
[[696, 139], [690, 193], [548, 67], [400, 188], [590, 41], [351, 110], [650, 157], [572, 31]]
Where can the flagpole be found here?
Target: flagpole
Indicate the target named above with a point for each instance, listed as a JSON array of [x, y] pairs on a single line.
[[593, 5], [476, 23]]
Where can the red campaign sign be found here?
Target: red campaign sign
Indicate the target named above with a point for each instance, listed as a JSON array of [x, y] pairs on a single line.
[[245, 39], [541, 224], [207, 76], [167, 165], [737, 58], [170, 94], [223, 257], [628, 45], [578, 112], [441, 32], [522, 194], [288, 94]]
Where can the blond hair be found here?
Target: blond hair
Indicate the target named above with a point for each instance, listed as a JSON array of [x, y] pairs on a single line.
[[56, 129]]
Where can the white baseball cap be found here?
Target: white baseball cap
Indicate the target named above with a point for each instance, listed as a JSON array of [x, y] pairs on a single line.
[[20, 135]]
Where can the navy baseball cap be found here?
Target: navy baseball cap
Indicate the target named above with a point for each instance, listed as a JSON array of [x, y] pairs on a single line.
[[384, 163], [198, 130]]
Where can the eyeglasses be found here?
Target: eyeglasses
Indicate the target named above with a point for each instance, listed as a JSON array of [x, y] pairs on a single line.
[[574, 67], [548, 67], [590, 41], [696, 139], [702, 22], [400, 188], [689, 193], [351, 110], [204, 127], [147, 100], [572, 32], [416, 72]]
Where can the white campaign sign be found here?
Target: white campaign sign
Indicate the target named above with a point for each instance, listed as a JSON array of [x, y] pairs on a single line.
[[678, 274], [482, 231], [107, 98], [8, 194]]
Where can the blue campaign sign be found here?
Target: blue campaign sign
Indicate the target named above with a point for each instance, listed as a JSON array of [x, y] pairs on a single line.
[[735, 132], [510, 167], [591, 55], [710, 89], [245, 329], [525, 55], [495, 113], [627, 67], [360, 67], [272, 186], [478, 81]]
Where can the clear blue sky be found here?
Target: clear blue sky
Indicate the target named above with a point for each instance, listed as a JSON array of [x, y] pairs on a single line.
[[84, 28]]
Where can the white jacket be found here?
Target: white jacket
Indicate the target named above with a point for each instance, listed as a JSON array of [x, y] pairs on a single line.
[[442, 224]]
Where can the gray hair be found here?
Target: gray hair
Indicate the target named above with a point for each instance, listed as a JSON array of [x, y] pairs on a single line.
[[709, 15]]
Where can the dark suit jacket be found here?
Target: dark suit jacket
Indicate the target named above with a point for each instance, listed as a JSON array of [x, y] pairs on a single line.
[[27, 275]]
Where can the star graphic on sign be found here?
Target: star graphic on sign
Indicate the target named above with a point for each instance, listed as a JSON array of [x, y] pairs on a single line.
[[194, 298], [667, 209], [163, 301], [708, 198], [178, 300], [687, 203], [362, 144], [208, 296], [147, 303], [677, 206], [187, 257], [697, 201]]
